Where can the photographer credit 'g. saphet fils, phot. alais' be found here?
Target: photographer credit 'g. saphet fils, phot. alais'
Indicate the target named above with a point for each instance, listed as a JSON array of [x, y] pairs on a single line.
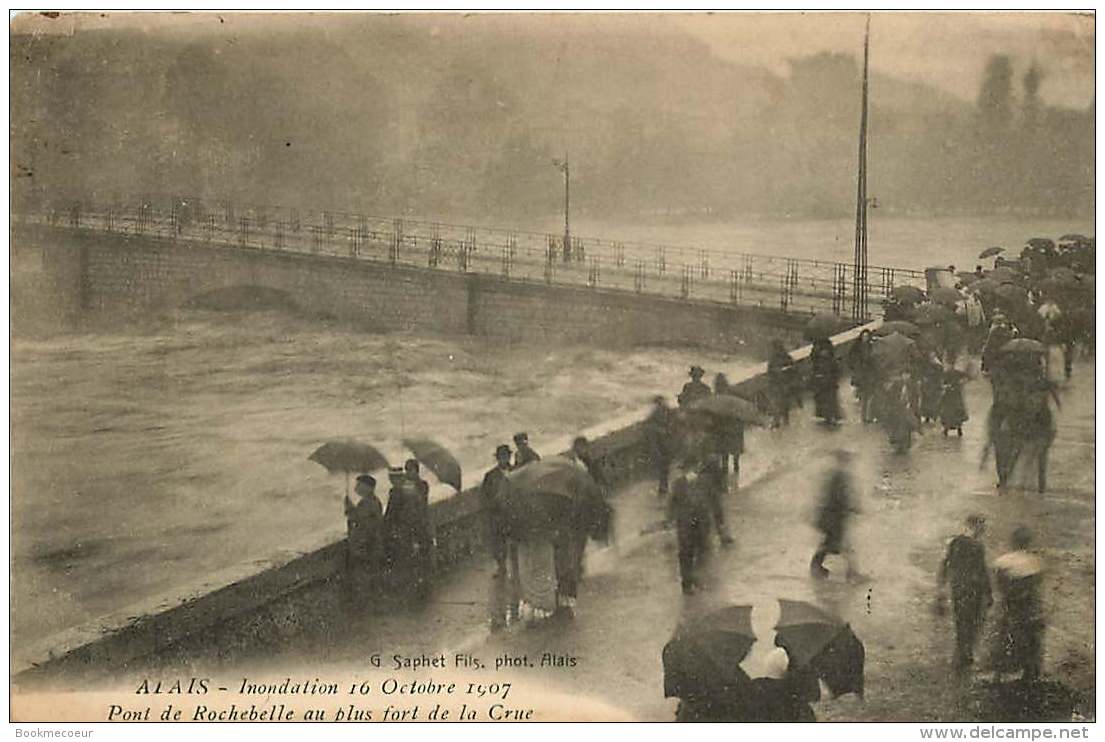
[[552, 366]]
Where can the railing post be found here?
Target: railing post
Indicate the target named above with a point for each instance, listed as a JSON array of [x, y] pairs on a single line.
[[462, 256], [506, 259], [435, 246], [593, 272], [783, 292], [661, 260], [619, 254], [75, 215], [685, 282], [734, 287], [578, 249], [243, 231], [639, 276], [704, 261], [278, 234], [209, 228]]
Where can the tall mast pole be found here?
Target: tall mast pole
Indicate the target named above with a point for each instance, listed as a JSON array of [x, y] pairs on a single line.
[[567, 230], [859, 288]]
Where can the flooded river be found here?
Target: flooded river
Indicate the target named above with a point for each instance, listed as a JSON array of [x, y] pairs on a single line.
[[148, 459]]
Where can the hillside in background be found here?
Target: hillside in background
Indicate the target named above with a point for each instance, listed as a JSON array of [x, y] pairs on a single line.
[[424, 115]]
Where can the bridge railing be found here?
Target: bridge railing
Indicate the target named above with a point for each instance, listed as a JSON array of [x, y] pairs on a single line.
[[767, 281]]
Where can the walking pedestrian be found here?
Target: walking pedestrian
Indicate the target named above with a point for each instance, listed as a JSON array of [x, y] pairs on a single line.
[[964, 568], [780, 382], [1021, 626], [660, 433], [861, 361], [953, 405], [834, 513], [406, 528], [690, 509]]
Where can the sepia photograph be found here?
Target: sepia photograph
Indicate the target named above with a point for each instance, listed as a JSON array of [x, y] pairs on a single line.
[[553, 367]]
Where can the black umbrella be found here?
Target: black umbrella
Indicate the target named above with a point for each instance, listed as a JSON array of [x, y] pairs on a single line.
[[548, 495], [437, 459], [893, 351], [990, 252], [348, 457], [730, 407], [705, 653], [821, 643], [1074, 238]]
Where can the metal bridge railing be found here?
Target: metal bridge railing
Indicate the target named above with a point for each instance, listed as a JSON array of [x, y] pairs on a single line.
[[747, 279]]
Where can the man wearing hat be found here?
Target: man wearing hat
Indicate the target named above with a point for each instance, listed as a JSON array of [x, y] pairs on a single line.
[[491, 496], [695, 388], [964, 566], [524, 454], [364, 548]]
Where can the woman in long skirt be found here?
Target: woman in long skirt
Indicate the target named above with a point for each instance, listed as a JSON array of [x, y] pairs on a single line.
[[536, 579]]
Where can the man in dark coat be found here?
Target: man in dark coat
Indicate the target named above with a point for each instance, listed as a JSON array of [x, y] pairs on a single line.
[[825, 380], [690, 509], [364, 546], [406, 524], [491, 497], [660, 430], [964, 566], [523, 453], [832, 519], [694, 389]]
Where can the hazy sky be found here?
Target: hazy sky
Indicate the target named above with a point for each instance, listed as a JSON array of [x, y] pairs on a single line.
[[946, 50]]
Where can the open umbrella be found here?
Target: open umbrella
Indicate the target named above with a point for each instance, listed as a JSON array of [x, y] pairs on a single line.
[[945, 295], [908, 294], [705, 652], [898, 326], [821, 643], [1074, 238], [437, 459], [990, 252], [893, 350], [824, 324], [348, 457], [730, 407], [545, 496], [1024, 345]]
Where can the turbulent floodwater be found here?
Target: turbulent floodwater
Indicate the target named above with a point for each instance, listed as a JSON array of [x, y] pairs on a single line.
[[143, 461], [148, 460]]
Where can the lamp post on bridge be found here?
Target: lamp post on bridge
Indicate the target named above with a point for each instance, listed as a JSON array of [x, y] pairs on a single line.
[[563, 167]]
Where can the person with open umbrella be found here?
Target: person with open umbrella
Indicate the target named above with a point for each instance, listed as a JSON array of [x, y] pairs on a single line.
[[834, 513], [661, 433], [407, 537], [821, 647], [953, 405], [1001, 332], [364, 544], [702, 665]]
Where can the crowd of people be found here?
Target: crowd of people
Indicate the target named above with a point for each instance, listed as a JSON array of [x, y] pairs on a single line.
[[1013, 327]]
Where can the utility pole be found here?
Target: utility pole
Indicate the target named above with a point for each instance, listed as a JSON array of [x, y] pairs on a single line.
[[859, 278]]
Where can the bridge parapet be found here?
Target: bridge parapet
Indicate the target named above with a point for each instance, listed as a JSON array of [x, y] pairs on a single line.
[[733, 277]]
